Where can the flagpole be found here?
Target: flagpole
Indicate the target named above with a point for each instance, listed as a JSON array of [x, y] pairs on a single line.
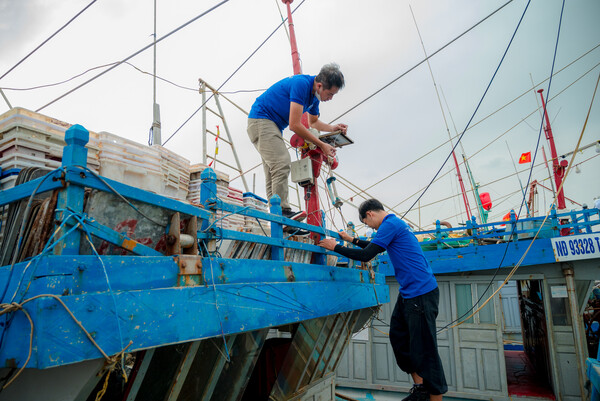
[[517, 173]]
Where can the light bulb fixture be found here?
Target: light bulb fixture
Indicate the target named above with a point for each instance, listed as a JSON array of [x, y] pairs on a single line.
[[577, 169]]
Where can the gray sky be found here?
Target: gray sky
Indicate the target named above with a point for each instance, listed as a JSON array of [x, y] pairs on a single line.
[[374, 42]]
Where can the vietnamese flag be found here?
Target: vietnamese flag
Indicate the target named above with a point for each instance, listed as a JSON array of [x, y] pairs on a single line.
[[525, 158]]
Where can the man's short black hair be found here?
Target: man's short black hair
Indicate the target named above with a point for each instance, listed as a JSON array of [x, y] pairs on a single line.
[[330, 75], [371, 205]]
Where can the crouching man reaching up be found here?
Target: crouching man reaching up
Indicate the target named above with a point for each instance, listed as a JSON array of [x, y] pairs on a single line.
[[412, 327]]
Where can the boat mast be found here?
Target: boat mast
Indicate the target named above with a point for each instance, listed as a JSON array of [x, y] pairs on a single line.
[[461, 182], [294, 46], [558, 168], [311, 191], [156, 136], [483, 214]]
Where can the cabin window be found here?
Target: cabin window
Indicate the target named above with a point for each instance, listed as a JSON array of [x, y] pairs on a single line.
[[464, 301], [467, 295], [560, 311]]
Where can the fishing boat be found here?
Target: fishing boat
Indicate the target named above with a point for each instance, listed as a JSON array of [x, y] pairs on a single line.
[[129, 273]]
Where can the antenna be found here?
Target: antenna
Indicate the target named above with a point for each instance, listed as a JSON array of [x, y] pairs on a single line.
[[156, 137]]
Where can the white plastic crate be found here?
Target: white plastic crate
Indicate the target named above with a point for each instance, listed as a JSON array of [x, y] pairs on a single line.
[[133, 175]]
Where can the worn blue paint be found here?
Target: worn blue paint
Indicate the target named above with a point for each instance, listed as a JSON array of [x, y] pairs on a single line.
[[488, 257], [84, 274], [157, 317], [71, 198], [276, 228], [505, 254], [593, 374]]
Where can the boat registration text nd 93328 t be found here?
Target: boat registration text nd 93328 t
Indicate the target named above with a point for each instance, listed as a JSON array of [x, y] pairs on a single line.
[[576, 247]]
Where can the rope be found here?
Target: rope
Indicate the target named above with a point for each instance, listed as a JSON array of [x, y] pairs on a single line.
[[545, 218], [217, 301], [14, 306], [22, 229], [476, 109]]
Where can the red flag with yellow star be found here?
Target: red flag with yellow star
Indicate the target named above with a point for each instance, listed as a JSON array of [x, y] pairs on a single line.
[[525, 158]]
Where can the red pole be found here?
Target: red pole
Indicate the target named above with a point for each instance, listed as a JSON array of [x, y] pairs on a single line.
[[462, 188], [311, 192], [558, 168], [295, 54]]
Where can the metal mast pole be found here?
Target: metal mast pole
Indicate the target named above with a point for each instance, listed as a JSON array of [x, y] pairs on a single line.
[[558, 168], [156, 137], [295, 54], [311, 191]]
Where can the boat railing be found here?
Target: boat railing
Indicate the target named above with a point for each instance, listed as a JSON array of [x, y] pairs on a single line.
[[74, 176], [514, 229]]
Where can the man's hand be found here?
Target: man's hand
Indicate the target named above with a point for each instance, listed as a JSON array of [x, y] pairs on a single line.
[[345, 236], [327, 149], [340, 127], [328, 243]]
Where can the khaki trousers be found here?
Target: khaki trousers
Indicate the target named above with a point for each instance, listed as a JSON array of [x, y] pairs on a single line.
[[268, 140]]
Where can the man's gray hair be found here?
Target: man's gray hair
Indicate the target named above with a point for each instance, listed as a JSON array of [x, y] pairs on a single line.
[[330, 75]]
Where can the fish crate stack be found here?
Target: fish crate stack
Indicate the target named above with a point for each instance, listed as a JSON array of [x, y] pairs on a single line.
[[29, 139], [196, 170], [130, 163], [254, 201], [235, 197], [176, 173]]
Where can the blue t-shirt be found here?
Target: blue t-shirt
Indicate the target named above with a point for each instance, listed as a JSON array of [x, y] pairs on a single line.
[[274, 104], [410, 266]]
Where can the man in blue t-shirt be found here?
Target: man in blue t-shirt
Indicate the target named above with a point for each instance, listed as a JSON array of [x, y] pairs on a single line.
[[283, 104], [412, 326]]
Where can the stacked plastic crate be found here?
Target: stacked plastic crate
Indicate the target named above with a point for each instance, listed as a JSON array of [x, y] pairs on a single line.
[[29, 139], [129, 162], [235, 197], [254, 201], [176, 173]]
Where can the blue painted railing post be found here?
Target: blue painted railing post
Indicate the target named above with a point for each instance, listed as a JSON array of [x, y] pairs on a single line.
[[320, 258], [208, 199], [351, 230], [474, 230], [438, 235], [513, 226], [71, 198], [555, 223], [276, 228], [575, 226], [586, 219]]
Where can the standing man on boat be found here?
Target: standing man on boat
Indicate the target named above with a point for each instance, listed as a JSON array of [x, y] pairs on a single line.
[[281, 105], [412, 327]]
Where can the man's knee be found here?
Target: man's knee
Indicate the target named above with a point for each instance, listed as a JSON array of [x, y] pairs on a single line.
[[281, 169]]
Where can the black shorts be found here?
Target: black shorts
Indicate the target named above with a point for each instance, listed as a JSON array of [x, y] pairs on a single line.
[[414, 341]]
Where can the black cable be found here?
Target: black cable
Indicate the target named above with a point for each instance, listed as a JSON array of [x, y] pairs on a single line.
[[134, 54], [420, 62], [45, 41], [474, 113], [231, 76], [528, 178]]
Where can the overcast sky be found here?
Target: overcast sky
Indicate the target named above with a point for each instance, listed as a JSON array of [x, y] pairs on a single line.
[[374, 42]]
